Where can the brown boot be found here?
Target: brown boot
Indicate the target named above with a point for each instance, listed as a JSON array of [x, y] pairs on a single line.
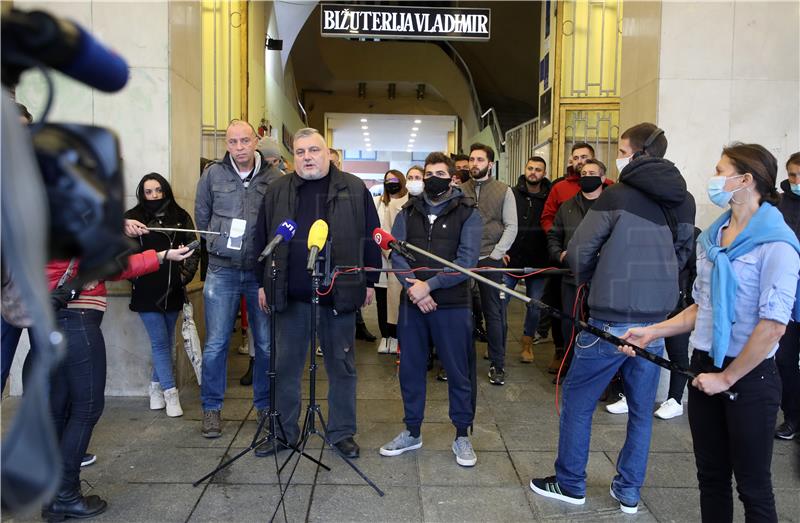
[[526, 356], [558, 355]]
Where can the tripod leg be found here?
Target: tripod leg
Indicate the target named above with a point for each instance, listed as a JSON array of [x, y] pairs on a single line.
[[295, 449], [347, 460]]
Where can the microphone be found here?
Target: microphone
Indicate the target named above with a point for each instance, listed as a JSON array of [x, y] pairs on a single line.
[[317, 236], [62, 45], [386, 241], [283, 233]]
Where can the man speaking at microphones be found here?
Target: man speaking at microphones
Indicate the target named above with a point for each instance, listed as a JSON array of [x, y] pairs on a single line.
[[435, 306], [318, 190]]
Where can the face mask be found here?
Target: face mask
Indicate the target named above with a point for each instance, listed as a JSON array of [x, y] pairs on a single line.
[[590, 184], [795, 188], [152, 206], [716, 192], [463, 174], [415, 187], [435, 187], [622, 162], [392, 187]]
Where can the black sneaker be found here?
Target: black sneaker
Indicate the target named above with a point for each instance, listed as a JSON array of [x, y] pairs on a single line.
[[627, 508], [441, 375], [786, 430], [549, 488], [88, 459], [497, 376]]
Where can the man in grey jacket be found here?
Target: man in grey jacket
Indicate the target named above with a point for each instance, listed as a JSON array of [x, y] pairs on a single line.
[[229, 195], [631, 245], [498, 210]]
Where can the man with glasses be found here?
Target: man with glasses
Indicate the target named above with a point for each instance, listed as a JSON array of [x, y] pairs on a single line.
[[229, 195]]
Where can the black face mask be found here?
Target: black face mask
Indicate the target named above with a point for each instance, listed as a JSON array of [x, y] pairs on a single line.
[[392, 187], [463, 175], [435, 187], [152, 206], [590, 183]]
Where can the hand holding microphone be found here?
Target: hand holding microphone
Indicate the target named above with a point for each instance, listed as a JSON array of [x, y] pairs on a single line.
[[387, 242], [317, 236], [283, 233]]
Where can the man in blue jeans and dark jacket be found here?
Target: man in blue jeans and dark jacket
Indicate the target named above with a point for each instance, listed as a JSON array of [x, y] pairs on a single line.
[[631, 245], [435, 307], [318, 190]]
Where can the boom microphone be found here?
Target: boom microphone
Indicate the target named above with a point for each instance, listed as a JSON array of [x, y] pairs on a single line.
[[38, 37], [283, 233], [386, 242], [317, 236]]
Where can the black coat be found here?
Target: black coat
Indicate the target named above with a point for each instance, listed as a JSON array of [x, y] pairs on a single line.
[[530, 246], [790, 207], [567, 219], [163, 290]]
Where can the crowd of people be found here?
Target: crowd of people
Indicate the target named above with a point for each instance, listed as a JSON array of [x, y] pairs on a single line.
[[637, 267]]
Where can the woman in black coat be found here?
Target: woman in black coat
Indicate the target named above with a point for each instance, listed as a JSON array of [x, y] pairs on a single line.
[[159, 297]]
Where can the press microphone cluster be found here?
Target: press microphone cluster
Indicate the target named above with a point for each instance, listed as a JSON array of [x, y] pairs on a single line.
[[388, 242], [317, 236], [283, 233], [36, 37]]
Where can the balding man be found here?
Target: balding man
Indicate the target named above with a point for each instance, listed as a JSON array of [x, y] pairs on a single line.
[[319, 190], [229, 195]]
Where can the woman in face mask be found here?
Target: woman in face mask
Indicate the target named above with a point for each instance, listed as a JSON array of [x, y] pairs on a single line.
[[745, 294], [415, 180], [158, 297], [388, 288]]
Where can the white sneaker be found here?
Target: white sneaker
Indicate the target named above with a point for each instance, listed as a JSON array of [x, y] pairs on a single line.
[[244, 348], [156, 396], [392, 344], [618, 407], [383, 346], [173, 401], [669, 409]]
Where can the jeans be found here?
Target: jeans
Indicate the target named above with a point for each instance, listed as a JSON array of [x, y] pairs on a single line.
[[222, 293], [787, 360], [534, 289], [10, 340], [77, 387], [494, 312], [451, 332], [336, 332], [595, 363], [160, 327], [735, 437]]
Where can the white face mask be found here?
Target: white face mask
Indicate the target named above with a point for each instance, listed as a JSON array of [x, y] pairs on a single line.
[[622, 162], [415, 187]]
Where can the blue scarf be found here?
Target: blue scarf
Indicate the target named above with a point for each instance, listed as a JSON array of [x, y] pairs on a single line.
[[767, 225]]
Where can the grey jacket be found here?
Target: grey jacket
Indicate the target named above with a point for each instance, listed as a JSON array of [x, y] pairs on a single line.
[[633, 242], [221, 197]]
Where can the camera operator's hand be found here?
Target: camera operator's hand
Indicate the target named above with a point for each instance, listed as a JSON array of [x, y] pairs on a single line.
[[179, 254], [135, 228]]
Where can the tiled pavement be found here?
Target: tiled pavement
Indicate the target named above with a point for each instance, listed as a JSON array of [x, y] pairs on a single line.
[[148, 462]]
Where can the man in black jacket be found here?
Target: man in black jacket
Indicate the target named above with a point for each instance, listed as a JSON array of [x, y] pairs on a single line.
[[631, 245], [789, 349], [530, 246], [319, 190]]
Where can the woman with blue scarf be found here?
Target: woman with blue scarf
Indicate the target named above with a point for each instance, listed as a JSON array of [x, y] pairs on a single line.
[[745, 294]]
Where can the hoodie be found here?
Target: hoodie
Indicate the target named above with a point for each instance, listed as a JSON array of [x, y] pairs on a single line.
[[634, 242], [530, 246]]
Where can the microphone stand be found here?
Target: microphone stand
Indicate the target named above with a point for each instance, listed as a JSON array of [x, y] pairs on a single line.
[[600, 333], [273, 417], [313, 411]]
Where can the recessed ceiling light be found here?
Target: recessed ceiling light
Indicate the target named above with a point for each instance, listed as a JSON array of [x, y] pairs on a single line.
[[365, 134], [410, 140], [417, 121], [415, 128], [364, 127], [363, 120], [413, 135], [366, 139]]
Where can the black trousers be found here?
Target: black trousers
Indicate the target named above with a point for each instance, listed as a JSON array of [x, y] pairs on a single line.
[[494, 311], [552, 297], [735, 437], [388, 330], [787, 361], [677, 351], [77, 388]]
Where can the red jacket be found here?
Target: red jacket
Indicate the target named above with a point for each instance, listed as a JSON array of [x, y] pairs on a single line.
[[138, 264], [560, 192]]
